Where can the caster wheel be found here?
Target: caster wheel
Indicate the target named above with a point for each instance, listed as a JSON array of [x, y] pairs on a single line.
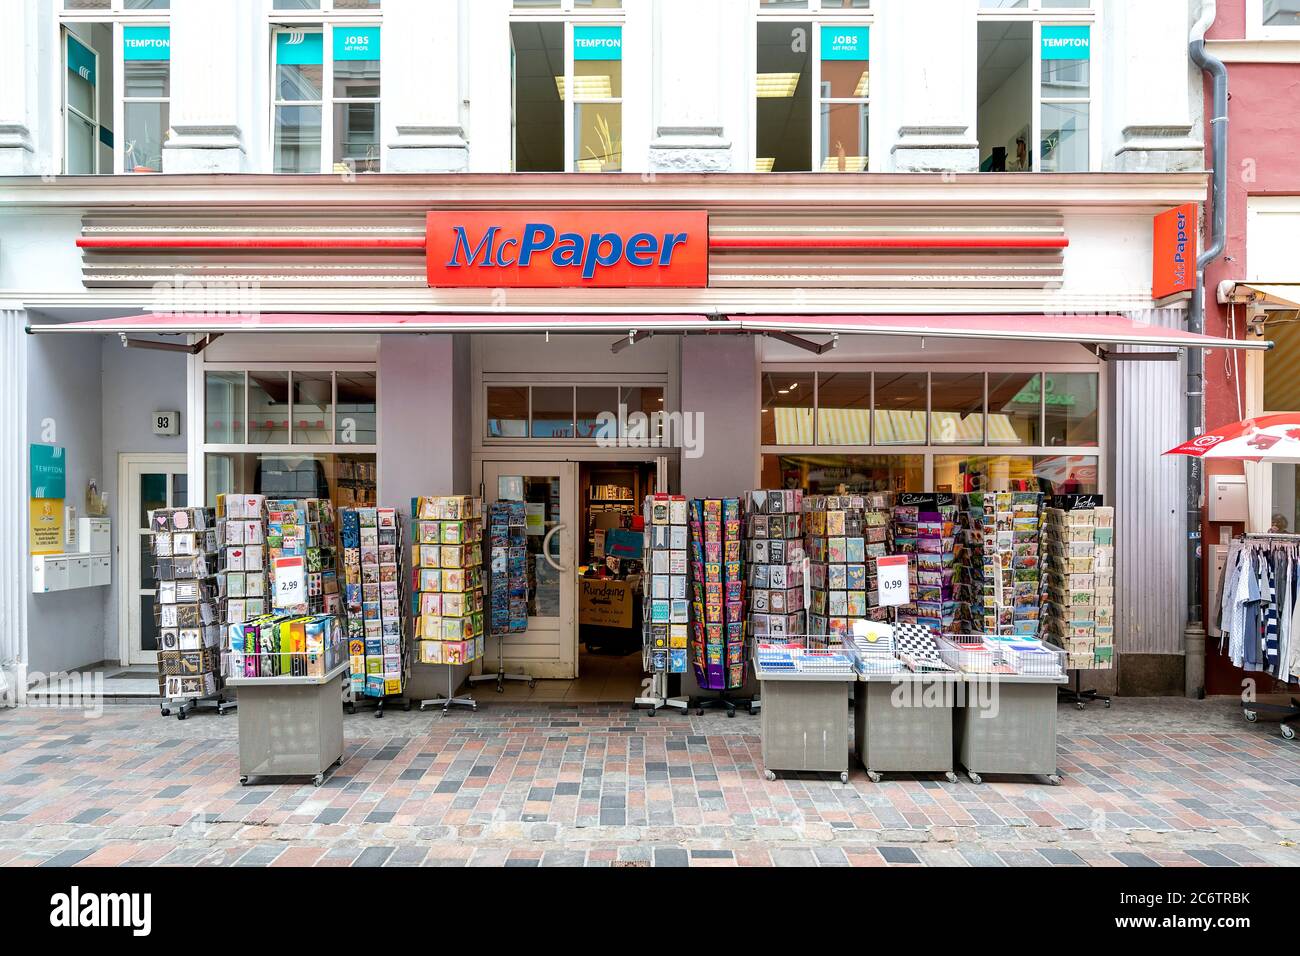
[[1288, 732], [699, 712], [180, 715], [769, 775], [379, 714], [1108, 705], [952, 777], [750, 710], [731, 712], [653, 711], [532, 685], [243, 781], [406, 706], [1079, 705], [873, 776], [1250, 716], [352, 708], [1054, 779], [317, 780], [974, 777], [844, 776], [500, 689], [165, 712]]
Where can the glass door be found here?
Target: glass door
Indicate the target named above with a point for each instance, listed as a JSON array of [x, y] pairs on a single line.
[[549, 648], [149, 481]]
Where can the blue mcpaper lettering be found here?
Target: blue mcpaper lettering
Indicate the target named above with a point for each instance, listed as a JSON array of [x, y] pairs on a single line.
[[1180, 251], [566, 249]]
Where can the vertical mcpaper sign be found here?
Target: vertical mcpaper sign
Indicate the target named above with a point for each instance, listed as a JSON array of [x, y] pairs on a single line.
[[1173, 252]]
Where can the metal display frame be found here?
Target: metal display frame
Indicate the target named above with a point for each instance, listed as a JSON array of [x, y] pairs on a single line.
[[308, 707]]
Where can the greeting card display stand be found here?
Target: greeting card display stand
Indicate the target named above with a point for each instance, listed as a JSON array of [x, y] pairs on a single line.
[[507, 585], [656, 696], [449, 700]]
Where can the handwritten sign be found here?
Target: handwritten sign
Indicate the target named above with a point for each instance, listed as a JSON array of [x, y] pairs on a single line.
[[893, 583]]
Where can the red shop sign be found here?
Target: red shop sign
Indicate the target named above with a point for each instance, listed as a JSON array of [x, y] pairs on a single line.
[[549, 249], [1173, 252]]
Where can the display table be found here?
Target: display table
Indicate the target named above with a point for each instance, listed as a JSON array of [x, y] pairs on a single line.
[[1007, 724], [805, 722], [290, 726], [910, 733]]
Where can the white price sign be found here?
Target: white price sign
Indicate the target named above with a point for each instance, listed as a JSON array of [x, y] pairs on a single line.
[[290, 582], [893, 583]]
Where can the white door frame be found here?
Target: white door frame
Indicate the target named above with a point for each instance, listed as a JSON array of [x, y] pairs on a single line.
[[130, 540]]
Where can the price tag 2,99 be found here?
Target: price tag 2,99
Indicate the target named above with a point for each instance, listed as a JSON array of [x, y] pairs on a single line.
[[290, 582], [893, 583]]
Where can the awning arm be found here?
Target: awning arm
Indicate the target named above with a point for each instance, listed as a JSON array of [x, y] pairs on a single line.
[[195, 349], [633, 337], [1108, 356], [806, 344]]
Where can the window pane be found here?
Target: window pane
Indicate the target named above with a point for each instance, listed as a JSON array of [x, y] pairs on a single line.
[[823, 474], [356, 4], [595, 4], [1003, 4], [86, 4], [597, 137], [80, 157], [537, 4], [846, 4], [223, 408], [146, 130], [1071, 402], [648, 400], [297, 139], [268, 409], [787, 408], [844, 408], [1286, 503], [844, 138], [552, 412], [1014, 409], [1281, 13], [783, 4], [148, 78], [900, 408], [1281, 383], [538, 112], [148, 4], [1066, 4], [313, 404], [784, 98], [346, 480], [296, 4], [356, 136], [1066, 474], [591, 402], [299, 82], [507, 412], [1065, 138], [1066, 79], [355, 421], [957, 408], [1005, 96], [1053, 475], [81, 93], [356, 79]]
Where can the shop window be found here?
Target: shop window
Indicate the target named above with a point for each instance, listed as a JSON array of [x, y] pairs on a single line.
[[552, 412], [117, 4], [348, 480], [957, 408], [567, 89], [1281, 13], [1034, 91], [901, 407], [1070, 408], [146, 92], [507, 412], [1015, 408], [223, 408], [313, 408], [824, 474], [355, 401], [1050, 474], [268, 408], [844, 408], [787, 408], [592, 401], [327, 93]]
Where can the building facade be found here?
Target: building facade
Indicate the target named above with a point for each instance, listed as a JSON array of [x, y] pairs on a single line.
[[922, 258]]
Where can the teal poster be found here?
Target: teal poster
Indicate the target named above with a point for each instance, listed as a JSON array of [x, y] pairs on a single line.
[[49, 472], [1066, 43]]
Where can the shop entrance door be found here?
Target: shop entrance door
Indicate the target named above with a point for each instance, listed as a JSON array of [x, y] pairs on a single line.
[[549, 648], [145, 482]]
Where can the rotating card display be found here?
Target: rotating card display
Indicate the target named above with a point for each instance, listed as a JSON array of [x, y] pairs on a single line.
[[243, 580], [667, 606], [371, 540], [774, 557], [447, 578], [508, 556], [186, 609], [1079, 581], [999, 563], [718, 591], [925, 527], [304, 528], [844, 534]]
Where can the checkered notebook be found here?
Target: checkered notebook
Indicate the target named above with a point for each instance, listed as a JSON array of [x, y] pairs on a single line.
[[915, 647]]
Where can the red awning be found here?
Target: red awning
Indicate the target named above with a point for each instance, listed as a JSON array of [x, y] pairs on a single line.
[[1078, 329]]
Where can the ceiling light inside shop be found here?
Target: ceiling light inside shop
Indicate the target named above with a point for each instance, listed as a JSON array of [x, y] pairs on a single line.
[[764, 164], [594, 87], [777, 85]]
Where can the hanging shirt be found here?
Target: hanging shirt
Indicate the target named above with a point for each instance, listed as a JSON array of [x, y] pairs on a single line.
[[1270, 610]]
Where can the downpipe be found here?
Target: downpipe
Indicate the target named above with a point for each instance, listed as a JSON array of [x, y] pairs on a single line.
[[1194, 635]]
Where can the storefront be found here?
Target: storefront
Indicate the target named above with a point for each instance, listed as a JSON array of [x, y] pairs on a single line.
[[341, 340]]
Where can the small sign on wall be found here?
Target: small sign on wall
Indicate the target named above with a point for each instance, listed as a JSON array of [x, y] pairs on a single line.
[[166, 423]]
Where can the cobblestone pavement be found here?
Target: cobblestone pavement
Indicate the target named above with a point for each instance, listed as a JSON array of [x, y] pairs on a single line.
[[1166, 782]]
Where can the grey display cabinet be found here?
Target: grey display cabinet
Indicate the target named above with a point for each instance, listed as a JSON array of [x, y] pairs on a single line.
[[805, 722], [903, 723], [1008, 726], [290, 726]]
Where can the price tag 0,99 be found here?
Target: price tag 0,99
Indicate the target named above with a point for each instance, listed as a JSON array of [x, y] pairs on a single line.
[[893, 582]]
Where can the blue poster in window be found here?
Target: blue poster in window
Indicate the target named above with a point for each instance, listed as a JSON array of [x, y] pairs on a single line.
[[846, 43], [1066, 43], [356, 43], [146, 43], [80, 60], [598, 43], [49, 472], [299, 48]]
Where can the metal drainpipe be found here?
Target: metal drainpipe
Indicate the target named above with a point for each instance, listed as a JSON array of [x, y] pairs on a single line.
[[1194, 632]]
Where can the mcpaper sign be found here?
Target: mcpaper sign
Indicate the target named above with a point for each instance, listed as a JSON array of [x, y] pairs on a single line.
[[893, 582], [568, 249], [1173, 252]]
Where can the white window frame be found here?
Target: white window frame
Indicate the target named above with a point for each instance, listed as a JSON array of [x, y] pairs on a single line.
[[1039, 16], [119, 86], [817, 15], [1256, 30], [288, 21], [574, 381], [570, 16], [928, 451], [67, 110]]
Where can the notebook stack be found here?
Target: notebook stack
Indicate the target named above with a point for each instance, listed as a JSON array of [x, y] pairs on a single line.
[[667, 610], [277, 645], [1000, 563], [242, 578], [1079, 581], [718, 583], [184, 543], [836, 543], [304, 528], [774, 555], [372, 600], [508, 543], [447, 578], [925, 527]]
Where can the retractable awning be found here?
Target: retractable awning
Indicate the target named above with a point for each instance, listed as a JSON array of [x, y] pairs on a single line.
[[1075, 329], [1279, 295]]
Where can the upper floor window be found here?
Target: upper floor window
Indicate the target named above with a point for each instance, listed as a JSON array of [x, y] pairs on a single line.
[[812, 88], [567, 86], [327, 93], [1034, 88], [1272, 19], [326, 6], [116, 88]]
